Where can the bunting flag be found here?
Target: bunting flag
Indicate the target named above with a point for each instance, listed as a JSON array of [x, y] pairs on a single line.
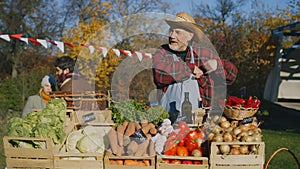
[[61, 46]]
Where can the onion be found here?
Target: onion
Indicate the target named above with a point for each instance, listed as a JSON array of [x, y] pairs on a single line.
[[235, 151], [225, 124], [218, 138], [215, 118], [222, 119], [257, 138], [237, 131], [227, 137], [250, 132], [244, 149], [224, 148], [247, 139], [253, 149], [243, 128], [218, 130], [211, 136]]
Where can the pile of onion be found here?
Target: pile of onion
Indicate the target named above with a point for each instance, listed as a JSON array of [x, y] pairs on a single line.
[[225, 130]]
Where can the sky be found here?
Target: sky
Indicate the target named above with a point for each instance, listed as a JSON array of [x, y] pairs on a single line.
[[187, 5]]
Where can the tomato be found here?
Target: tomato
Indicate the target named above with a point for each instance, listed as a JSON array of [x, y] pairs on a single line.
[[172, 136], [197, 162], [191, 145], [183, 127], [175, 162], [187, 162], [167, 161], [192, 135], [171, 151], [182, 151], [181, 142], [170, 148]]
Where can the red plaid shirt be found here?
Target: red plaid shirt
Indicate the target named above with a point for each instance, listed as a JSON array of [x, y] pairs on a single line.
[[168, 71]]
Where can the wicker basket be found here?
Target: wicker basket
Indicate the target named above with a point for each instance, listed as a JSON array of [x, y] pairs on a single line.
[[239, 113]]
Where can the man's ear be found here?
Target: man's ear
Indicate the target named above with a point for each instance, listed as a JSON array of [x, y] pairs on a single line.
[[190, 36]]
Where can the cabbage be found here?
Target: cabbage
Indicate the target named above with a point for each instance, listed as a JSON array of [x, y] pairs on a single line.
[[72, 140], [92, 143]]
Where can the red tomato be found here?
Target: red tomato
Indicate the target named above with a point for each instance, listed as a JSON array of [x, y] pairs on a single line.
[[192, 135], [197, 162], [183, 127], [167, 161], [191, 145], [182, 151], [187, 162], [175, 162], [171, 151]]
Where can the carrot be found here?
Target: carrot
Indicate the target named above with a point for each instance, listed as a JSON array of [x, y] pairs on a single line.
[[112, 137], [144, 123], [151, 148], [130, 162], [112, 162], [129, 131], [146, 128], [120, 151], [119, 162], [153, 131], [142, 148], [137, 126], [121, 129], [132, 147], [146, 162]]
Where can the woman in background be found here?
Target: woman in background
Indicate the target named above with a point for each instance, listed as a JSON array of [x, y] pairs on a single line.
[[40, 100]]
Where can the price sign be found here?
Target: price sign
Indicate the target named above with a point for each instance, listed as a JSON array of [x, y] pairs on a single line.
[[247, 120], [88, 117]]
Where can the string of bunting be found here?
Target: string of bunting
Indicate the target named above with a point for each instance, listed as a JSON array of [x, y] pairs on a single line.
[[61, 46]]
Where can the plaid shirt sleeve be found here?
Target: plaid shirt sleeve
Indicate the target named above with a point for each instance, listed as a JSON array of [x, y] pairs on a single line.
[[167, 70], [230, 72]]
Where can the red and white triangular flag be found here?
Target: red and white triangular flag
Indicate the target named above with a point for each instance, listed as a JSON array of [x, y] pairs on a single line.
[[92, 49], [60, 46], [104, 51], [117, 52], [5, 37], [34, 41], [16, 36], [43, 42], [139, 55], [24, 40]]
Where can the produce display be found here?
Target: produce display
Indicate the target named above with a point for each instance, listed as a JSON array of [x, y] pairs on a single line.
[[140, 133], [49, 123]]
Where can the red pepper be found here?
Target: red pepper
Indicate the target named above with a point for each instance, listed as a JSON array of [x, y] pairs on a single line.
[[236, 101], [255, 102]]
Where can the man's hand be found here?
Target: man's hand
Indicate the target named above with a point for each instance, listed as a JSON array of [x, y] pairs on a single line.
[[197, 72], [211, 65]]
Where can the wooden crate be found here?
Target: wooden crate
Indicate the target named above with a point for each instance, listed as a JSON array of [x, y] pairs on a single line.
[[88, 100], [69, 160], [108, 165], [162, 164], [249, 161], [28, 157]]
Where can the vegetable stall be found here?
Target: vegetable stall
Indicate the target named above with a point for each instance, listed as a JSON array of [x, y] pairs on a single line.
[[134, 135]]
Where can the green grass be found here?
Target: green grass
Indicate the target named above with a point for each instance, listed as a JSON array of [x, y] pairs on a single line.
[[279, 139]]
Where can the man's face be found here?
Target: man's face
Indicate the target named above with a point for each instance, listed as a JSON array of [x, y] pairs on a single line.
[[59, 71], [179, 38]]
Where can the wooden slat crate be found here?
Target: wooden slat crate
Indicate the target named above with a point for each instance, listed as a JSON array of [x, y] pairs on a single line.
[[28, 157], [88, 100], [69, 160], [227, 161], [165, 162], [110, 162]]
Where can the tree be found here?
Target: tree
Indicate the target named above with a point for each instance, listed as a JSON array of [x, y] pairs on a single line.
[[244, 39]]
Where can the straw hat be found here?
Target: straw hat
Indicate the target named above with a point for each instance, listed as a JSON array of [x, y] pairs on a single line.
[[187, 22]]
